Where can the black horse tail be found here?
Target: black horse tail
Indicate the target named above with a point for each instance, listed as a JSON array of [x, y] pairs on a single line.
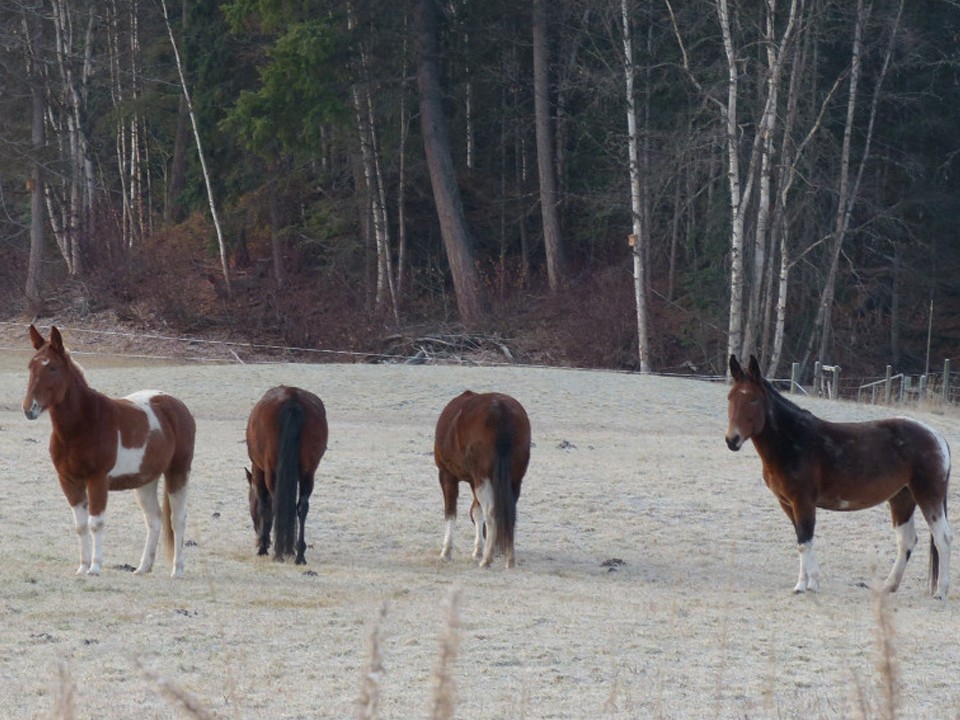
[[504, 497], [934, 572], [287, 478]]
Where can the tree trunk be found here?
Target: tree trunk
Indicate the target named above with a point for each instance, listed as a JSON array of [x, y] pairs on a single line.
[[639, 235], [224, 264], [35, 263], [545, 164], [446, 193]]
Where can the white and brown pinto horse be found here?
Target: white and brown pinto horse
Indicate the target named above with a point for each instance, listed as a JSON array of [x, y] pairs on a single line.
[[100, 444], [484, 441], [811, 463]]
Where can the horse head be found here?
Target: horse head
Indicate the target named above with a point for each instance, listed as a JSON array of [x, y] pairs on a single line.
[[50, 371], [746, 403]]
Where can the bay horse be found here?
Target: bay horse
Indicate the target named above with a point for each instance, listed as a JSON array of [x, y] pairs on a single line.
[[286, 438], [484, 441], [811, 463], [99, 444]]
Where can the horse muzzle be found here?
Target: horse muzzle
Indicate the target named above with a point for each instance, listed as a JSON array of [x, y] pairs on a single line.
[[734, 442], [33, 410]]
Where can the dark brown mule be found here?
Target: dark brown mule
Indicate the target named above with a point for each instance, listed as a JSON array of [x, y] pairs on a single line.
[[100, 444], [810, 463], [483, 440], [286, 437]]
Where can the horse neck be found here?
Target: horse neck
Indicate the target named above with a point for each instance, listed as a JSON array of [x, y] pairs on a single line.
[[786, 428], [80, 407]]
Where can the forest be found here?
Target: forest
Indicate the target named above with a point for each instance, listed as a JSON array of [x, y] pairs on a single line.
[[630, 184]]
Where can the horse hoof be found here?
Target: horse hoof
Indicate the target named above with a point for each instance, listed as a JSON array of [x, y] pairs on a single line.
[[485, 563], [176, 573], [83, 569], [300, 561], [94, 570]]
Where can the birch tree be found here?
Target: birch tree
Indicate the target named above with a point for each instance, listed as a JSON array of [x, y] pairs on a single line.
[[221, 243], [848, 185], [639, 236]]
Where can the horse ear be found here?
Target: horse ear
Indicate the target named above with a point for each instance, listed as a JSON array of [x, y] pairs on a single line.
[[56, 342], [755, 368], [736, 372], [36, 338]]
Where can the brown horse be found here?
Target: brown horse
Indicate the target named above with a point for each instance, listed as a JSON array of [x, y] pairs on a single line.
[[100, 444], [483, 440], [810, 463], [286, 437]]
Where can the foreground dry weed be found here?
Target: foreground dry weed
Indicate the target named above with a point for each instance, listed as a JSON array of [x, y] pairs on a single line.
[[65, 705], [444, 700], [368, 707]]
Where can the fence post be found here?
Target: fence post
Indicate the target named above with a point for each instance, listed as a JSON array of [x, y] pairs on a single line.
[[817, 378], [836, 383], [795, 377], [946, 381], [888, 384]]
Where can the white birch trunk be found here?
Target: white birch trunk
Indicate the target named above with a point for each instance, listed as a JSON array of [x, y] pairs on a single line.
[[639, 240], [203, 160]]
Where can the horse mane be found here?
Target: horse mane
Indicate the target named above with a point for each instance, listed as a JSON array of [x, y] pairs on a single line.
[[789, 421]]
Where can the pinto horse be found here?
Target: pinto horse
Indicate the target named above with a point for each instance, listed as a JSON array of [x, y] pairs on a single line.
[[483, 440], [100, 444], [811, 463], [286, 437]]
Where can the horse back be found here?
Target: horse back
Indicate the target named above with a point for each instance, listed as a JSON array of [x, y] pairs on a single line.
[[474, 428], [864, 464], [265, 421]]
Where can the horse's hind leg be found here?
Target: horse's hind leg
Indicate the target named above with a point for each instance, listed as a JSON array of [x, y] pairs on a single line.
[[902, 507], [303, 507], [476, 516], [147, 500], [178, 527], [483, 491], [450, 487], [940, 539]]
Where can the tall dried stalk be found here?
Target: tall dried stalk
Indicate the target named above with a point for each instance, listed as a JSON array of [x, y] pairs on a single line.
[[368, 707], [65, 706], [175, 694], [445, 689]]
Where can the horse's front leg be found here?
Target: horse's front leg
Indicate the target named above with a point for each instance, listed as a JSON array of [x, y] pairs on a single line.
[[809, 579], [150, 505]]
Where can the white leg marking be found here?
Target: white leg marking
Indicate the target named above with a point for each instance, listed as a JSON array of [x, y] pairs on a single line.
[[942, 539], [809, 570], [178, 519], [96, 530], [447, 548], [906, 541], [476, 514], [81, 521], [150, 505], [484, 494]]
